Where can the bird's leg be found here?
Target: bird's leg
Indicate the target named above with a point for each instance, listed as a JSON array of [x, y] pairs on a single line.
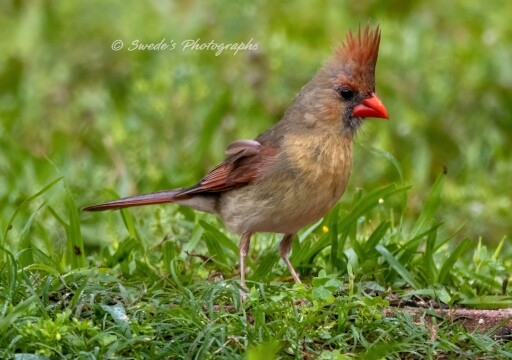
[[245, 240], [284, 251]]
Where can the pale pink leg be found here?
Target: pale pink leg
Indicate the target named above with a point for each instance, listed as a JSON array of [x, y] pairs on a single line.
[[245, 240], [284, 251]]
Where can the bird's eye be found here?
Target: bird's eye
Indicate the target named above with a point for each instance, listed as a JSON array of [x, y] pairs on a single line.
[[345, 92]]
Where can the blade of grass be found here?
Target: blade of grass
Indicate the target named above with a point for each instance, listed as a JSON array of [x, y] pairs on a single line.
[[10, 266], [123, 251], [488, 302], [332, 234], [26, 202], [7, 321], [25, 256], [74, 244], [369, 201], [388, 157], [398, 267], [310, 229], [428, 258], [410, 249], [376, 236], [129, 224], [497, 252], [224, 241], [265, 264], [430, 207], [42, 267], [452, 259], [217, 244]]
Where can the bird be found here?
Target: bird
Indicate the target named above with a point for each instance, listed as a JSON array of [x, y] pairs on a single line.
[[292, 174]]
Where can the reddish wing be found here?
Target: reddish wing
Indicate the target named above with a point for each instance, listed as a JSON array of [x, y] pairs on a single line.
[[242, 166], [244, 163]]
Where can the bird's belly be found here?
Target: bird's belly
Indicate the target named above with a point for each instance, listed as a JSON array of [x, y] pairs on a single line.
[[289, 219], [284, 209]]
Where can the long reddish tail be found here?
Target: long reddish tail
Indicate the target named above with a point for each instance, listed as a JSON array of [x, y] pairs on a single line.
[[149, 199]]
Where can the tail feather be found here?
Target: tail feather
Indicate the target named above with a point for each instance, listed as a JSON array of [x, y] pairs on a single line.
[[161, 197]]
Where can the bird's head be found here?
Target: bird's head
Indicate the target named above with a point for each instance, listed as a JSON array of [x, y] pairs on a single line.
[[345, 87]]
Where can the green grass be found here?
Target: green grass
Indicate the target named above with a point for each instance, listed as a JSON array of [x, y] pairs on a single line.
[[426, 214]]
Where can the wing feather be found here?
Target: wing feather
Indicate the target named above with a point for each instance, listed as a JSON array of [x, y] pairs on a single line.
[[242, 166]]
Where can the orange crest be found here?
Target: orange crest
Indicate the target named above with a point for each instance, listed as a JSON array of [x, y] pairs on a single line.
[[357, 56]]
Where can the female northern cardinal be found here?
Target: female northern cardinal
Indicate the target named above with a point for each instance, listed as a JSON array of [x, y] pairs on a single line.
[[291, 175]]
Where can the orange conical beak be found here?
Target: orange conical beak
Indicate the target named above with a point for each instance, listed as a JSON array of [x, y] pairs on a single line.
[[371, 107]]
